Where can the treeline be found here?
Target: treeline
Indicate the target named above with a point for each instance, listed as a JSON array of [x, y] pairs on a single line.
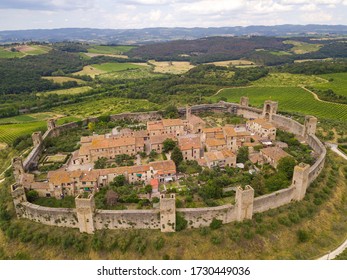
[[208, 49], [24, 75], [315, 67]]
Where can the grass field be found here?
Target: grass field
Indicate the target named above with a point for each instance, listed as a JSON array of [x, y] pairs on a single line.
[[105, 107], [33, 49], [291, 99], [134, 74], [9, 132], [109, 49], [239, 62], [5, 53], [90, 55], [69, 119], [302, 47], [286, 79], [90, 71], [56, 158], [62, 79], [337, 82], [171, 67], [98, 69], [69, 91], [115, 67]]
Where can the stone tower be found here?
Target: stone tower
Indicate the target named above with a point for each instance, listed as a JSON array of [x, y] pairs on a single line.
[[85, 208], [188, 112], [37, 138], [51, 124], [269, 109], [300, 180], [244, 203], [18, 195], [310, 126], [18, 169], [168, 213], [244, 101]]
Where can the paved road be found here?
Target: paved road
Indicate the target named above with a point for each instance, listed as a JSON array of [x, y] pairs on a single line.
[[343, 246], [336, 252], [335, 149]]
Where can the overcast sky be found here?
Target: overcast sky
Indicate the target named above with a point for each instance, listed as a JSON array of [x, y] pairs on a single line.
[[33, 14]]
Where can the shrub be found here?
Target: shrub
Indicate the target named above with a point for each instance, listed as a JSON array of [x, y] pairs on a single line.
[[181, 222], [216, 240], [215, 224], [302, 235], [32, 195], [159, 243]]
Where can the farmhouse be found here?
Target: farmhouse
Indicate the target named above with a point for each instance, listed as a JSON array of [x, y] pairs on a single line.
[[156, 142], [262, 128], [166, 126], [220, 158], [272, 155], [190, 146]]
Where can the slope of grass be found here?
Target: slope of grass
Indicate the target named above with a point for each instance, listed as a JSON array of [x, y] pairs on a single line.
[[104, 107], [9, 132], [115, 67], [337, 82], [69, 91], [4, 53], [286, 79], [291, 99], [62, 79], [28, 118], [110, 49], [302, 47]]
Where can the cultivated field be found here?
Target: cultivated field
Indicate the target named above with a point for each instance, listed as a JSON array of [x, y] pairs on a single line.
[[286, 79], [98, 69], [171, 67], [239, 62], [302, 47], [291, 99], [337, 82], [23, 50], [6, 53], [105, 107], [62, 79], [29, 118], [109, 49], [9, 132], [115, 67], [102, 54], [69, 91], [133, 74]]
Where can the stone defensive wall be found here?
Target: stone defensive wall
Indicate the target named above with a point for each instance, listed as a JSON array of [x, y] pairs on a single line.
[[88, 219]]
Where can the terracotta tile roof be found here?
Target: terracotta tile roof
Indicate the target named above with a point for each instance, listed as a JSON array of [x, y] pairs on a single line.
[[255, 157], [212, 130], [166, 166], [115, 142], [274, 153], [212, 142], [154, 183], [187, 143], [155, 125], [159, 139], [90, 176], [263, 123], [172, 122], [229, 131], [219, 135], [194, 120], [40, 186], [84, 149], [59, 177], [218, 155]]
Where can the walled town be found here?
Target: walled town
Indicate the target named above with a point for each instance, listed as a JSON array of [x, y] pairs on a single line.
[[210, 147]]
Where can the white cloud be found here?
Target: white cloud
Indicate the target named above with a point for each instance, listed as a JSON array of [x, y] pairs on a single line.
[[308, 8], [210, 6], [155, 15], [317, 17]]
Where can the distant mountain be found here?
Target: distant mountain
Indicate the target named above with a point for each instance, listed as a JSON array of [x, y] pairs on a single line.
[[150, 35]]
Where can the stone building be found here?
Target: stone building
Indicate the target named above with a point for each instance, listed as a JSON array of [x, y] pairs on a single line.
[[272, 155], [262, 128], [166, 127], [190, 146], [220, 158], [156, 142]]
